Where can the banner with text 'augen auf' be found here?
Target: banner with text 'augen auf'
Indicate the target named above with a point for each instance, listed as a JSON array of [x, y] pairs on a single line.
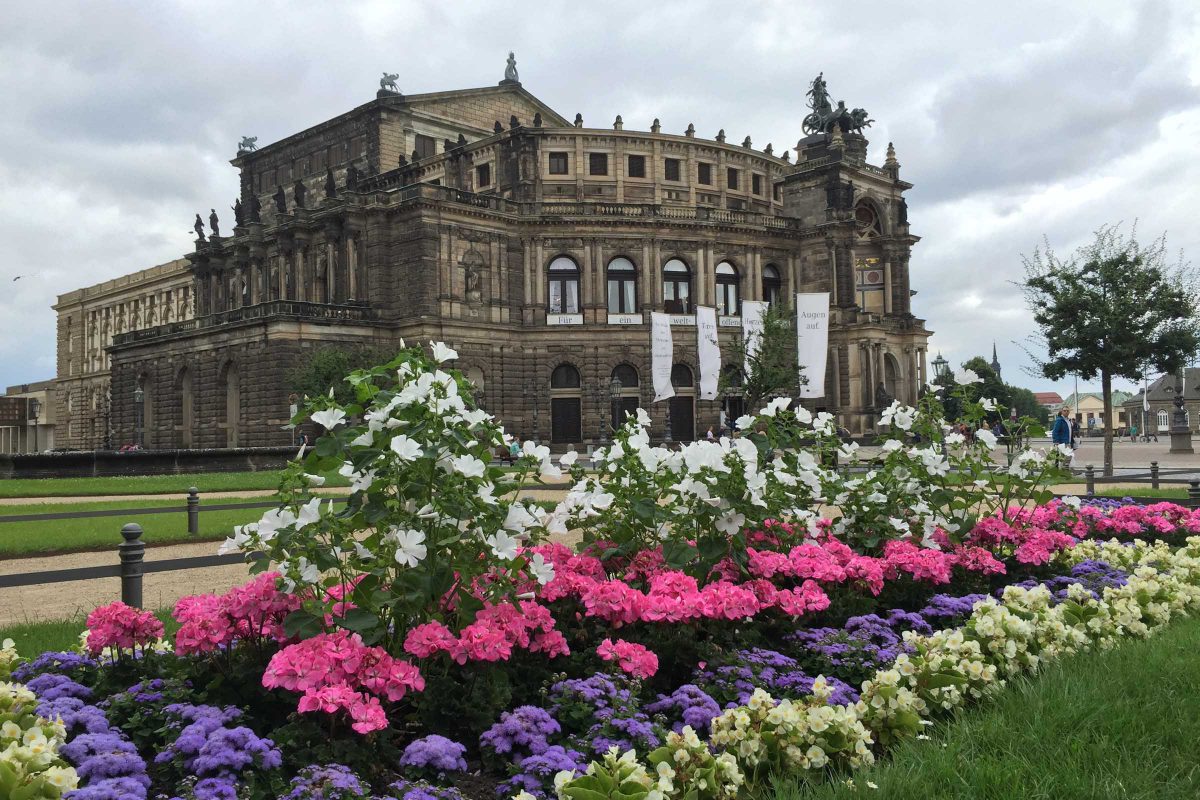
[[662, 355], [812, 340]]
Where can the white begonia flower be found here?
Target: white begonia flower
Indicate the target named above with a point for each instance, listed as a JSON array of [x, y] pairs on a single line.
[[744, 422], [988, 404], [468, 466], [410, 546], [442, 353], [987, 437], [775, 406], [310, 512], [405, 448], [503, 546], [541, 569], [730, 523], [569, 458], [966, 377], [330, 418]]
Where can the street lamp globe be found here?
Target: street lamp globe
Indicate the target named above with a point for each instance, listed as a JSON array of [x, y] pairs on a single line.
[[940, 366], [614, 389], [138, 395]]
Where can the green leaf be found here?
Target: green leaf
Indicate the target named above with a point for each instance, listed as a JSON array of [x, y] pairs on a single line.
[[940, 680], [678, 553], [301, 624], [357, 620]]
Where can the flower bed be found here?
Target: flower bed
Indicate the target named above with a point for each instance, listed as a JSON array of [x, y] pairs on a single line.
[[435, 638]]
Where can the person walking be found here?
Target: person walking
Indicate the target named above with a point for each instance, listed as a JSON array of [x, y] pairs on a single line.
[[1133, 433], [1062, 434]]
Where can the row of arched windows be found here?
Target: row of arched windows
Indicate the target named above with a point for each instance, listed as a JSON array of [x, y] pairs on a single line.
[[677, 280]]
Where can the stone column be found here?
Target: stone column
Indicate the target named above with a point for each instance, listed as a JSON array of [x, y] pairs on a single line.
[[888, 299], [644, 271]]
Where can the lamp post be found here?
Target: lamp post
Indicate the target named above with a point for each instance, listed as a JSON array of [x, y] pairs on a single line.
[[35, 410], [1181, 434], [940, 366], [670, 438], [139, 395], [614, 400]]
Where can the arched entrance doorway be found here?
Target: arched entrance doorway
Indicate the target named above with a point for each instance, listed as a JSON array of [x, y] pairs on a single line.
[[629, 397], [566, 416], [682, 407]]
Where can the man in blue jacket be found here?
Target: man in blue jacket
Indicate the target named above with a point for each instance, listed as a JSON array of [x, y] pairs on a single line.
[[1061, 432]]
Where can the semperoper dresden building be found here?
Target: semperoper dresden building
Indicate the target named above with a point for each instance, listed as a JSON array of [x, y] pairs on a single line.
[[534, 245]]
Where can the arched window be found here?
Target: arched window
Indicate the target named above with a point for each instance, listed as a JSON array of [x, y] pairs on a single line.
[[891, 376], [677, 287], [566, 417], [682, 409], [564, 286], [734, 404], [622, 286], [627, 400], [866, 221], [772, 284], [728, 299], [1164, 422]]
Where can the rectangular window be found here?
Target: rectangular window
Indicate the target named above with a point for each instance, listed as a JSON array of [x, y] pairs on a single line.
[[637, 166], [558, 163], [671, 169], [704, 174], [426, 146], [360, 146], [731, 178], [483, 176], [756, 183], [597, 163], [777, 191]]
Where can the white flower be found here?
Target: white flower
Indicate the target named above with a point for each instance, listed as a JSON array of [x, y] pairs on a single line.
[[468, 466], [549, 470], [537, 451], [965, 377], [364, 439], [955, 438], [744, 422], [330, 418], [567, 459], [405, 448], [308, 572], [410, 546], [442, 353], [363, 553], [314, 480], [310, 512], [730, 523], [988, 404], [541, 570], [503, 546], [987, 437], [1071, 502], [892, 445], [642, 417], [775, 406], [486, 493], [518, 518]]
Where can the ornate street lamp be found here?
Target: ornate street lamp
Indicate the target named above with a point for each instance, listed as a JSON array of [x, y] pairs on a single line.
[[940, 366], [670, 438], [35, 410], [1181, 434], [138, 397], [614, 400]]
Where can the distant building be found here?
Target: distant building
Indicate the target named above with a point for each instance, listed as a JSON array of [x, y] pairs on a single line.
[[1051, 400], [995, 365], [1161, 401], [1088, 408], [27, 417]]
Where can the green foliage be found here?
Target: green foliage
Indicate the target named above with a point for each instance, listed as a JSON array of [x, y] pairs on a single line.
[[772, 371], [328, 367], [1114, 309]]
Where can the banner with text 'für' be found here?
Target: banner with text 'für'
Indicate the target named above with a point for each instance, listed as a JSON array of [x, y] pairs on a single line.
[[662, 355], [708, 350], [812, 340]]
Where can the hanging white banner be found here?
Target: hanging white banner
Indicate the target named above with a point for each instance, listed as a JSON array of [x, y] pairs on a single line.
[[709, 351], [662, 355], [752, 326], [812, 340]]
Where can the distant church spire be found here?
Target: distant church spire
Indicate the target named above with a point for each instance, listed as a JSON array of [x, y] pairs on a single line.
[[995, 361]]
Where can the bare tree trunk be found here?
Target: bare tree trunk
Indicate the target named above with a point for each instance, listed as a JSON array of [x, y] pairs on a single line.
[[1106, 388]]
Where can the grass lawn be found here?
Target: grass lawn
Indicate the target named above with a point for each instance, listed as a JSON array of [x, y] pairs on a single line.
[[148, 484], [59, 536], [39, 637], [1121, 725]]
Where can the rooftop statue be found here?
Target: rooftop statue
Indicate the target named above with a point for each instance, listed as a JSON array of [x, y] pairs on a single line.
[[248, 144], [510, 70], [824, 116], [388, 82]]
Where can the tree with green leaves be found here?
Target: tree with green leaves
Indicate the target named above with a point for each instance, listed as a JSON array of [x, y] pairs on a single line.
[[328, 367], [772, 370], [1112, 309]]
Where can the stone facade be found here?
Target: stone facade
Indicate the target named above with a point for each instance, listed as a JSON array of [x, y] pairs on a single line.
[[88, 320], [1160, 397], [509, 237]]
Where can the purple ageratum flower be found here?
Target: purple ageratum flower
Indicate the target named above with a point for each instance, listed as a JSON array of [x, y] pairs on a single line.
[[947, 611], [201, 721], [228, 751], [49, 686], [536, 773], [126, 788], [69, 664], [328, 782], [435, 754], [421, 790], [687, 705], [1095, 576], [77, 716], [734, 681], [523, 731]]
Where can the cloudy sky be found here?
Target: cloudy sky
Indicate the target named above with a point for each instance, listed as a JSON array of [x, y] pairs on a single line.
[[1014, 122]]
